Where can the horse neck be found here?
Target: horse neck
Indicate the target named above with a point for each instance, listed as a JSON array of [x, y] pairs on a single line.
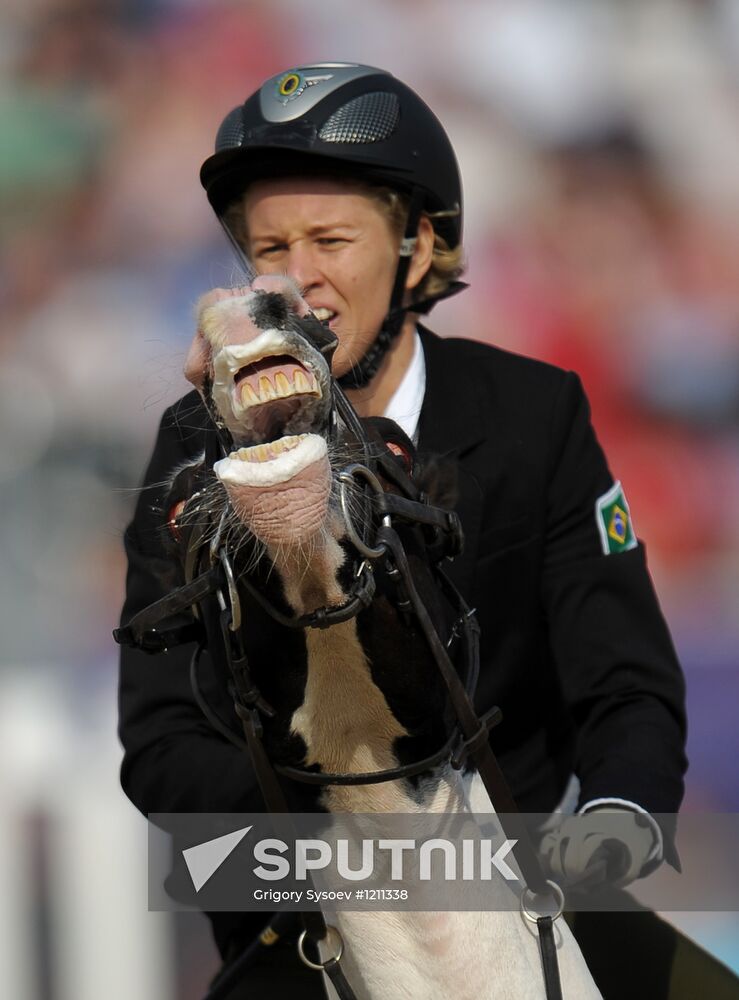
[[345, 719], [309, 572]]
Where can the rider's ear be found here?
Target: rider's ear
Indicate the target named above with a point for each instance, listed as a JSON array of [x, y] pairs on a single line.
[[422, 255]]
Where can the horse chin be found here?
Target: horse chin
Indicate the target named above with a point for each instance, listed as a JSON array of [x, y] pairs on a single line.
[[280, 491]]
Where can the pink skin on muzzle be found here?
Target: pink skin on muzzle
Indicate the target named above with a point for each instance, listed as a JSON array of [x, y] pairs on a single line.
[[290, 511], [289, 514], [199, 357]]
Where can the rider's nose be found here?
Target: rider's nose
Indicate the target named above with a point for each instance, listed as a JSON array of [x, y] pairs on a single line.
[[302, 267]]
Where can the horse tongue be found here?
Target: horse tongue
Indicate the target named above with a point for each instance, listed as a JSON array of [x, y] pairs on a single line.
[[270, 419]]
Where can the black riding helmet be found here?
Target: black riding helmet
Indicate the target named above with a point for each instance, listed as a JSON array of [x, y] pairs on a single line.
[[356, 121]]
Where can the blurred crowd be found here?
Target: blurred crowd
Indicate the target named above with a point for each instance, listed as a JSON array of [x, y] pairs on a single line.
[[599, 145]]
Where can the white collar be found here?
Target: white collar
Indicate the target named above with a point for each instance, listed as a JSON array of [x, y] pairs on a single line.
[[405, 404]]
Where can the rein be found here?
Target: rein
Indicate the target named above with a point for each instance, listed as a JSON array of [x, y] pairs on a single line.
[[163, 624]]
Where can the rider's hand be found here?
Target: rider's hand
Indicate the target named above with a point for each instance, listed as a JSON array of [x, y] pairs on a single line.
[[605, 846]]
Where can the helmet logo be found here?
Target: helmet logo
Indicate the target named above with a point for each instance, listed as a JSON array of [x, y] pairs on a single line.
[[293, 83], [290, 85]]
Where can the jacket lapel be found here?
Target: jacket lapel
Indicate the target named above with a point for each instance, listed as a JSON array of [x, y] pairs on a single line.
[[451, 417], [451, 424]]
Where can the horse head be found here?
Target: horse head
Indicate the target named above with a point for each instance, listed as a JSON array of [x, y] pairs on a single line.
[[361, 695], [268, 387]]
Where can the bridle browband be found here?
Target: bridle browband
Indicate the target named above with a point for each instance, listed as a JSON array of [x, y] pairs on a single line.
[[161, 625]]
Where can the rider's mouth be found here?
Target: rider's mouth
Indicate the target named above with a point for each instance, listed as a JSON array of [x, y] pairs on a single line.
[[325, 315]]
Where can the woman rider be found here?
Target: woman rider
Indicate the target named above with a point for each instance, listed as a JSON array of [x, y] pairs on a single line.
[[339, 176]]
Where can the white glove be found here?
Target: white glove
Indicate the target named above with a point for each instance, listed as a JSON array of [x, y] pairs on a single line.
[[607, 845]]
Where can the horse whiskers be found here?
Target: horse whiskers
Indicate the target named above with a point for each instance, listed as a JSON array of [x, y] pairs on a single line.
[[210, 513], [301, 554]]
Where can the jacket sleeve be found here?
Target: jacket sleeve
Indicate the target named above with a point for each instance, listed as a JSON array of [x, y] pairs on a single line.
[[173, 760], [619, 672]]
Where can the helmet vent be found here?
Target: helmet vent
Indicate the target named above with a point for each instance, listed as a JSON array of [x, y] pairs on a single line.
[[231, 133], [369, 118]]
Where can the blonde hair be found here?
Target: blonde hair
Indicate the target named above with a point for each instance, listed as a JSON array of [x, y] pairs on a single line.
[[446, 264]]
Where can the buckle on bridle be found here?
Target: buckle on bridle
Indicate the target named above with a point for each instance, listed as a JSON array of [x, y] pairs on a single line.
[[466, 747], [465, 620]]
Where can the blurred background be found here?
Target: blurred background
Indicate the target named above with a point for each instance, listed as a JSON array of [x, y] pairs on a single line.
[[599, 145]]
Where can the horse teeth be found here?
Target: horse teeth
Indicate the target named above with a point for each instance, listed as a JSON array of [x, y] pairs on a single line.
[[266, 389], [268, 451], [300, 382], [248, 395], [282, 384]]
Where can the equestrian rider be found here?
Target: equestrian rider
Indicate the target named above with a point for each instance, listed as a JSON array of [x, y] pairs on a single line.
[[341, 177]]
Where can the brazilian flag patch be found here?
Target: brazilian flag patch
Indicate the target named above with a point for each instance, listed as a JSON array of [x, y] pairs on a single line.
[[614, 521]]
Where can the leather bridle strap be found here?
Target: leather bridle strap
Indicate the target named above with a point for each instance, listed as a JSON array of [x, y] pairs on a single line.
[[140, 630], [361, 597], [479, 749], [418, 512], [316, 929], [548, 948], [246, 706], [371, 777]]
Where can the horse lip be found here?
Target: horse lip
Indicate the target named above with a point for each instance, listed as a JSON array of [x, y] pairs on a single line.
[[242, 422], [239, 469], [270, 343]]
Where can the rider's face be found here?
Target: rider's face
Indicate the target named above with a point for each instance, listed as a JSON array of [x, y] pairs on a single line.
[[337, 244]]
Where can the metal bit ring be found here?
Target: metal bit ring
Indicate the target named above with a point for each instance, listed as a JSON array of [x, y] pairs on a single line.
[[559, 898], [320, 966], [345, 479]]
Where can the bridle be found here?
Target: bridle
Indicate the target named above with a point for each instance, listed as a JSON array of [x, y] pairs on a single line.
[[159, 626]]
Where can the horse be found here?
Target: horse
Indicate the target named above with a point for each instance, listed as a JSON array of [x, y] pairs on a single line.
[[287, 495]]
